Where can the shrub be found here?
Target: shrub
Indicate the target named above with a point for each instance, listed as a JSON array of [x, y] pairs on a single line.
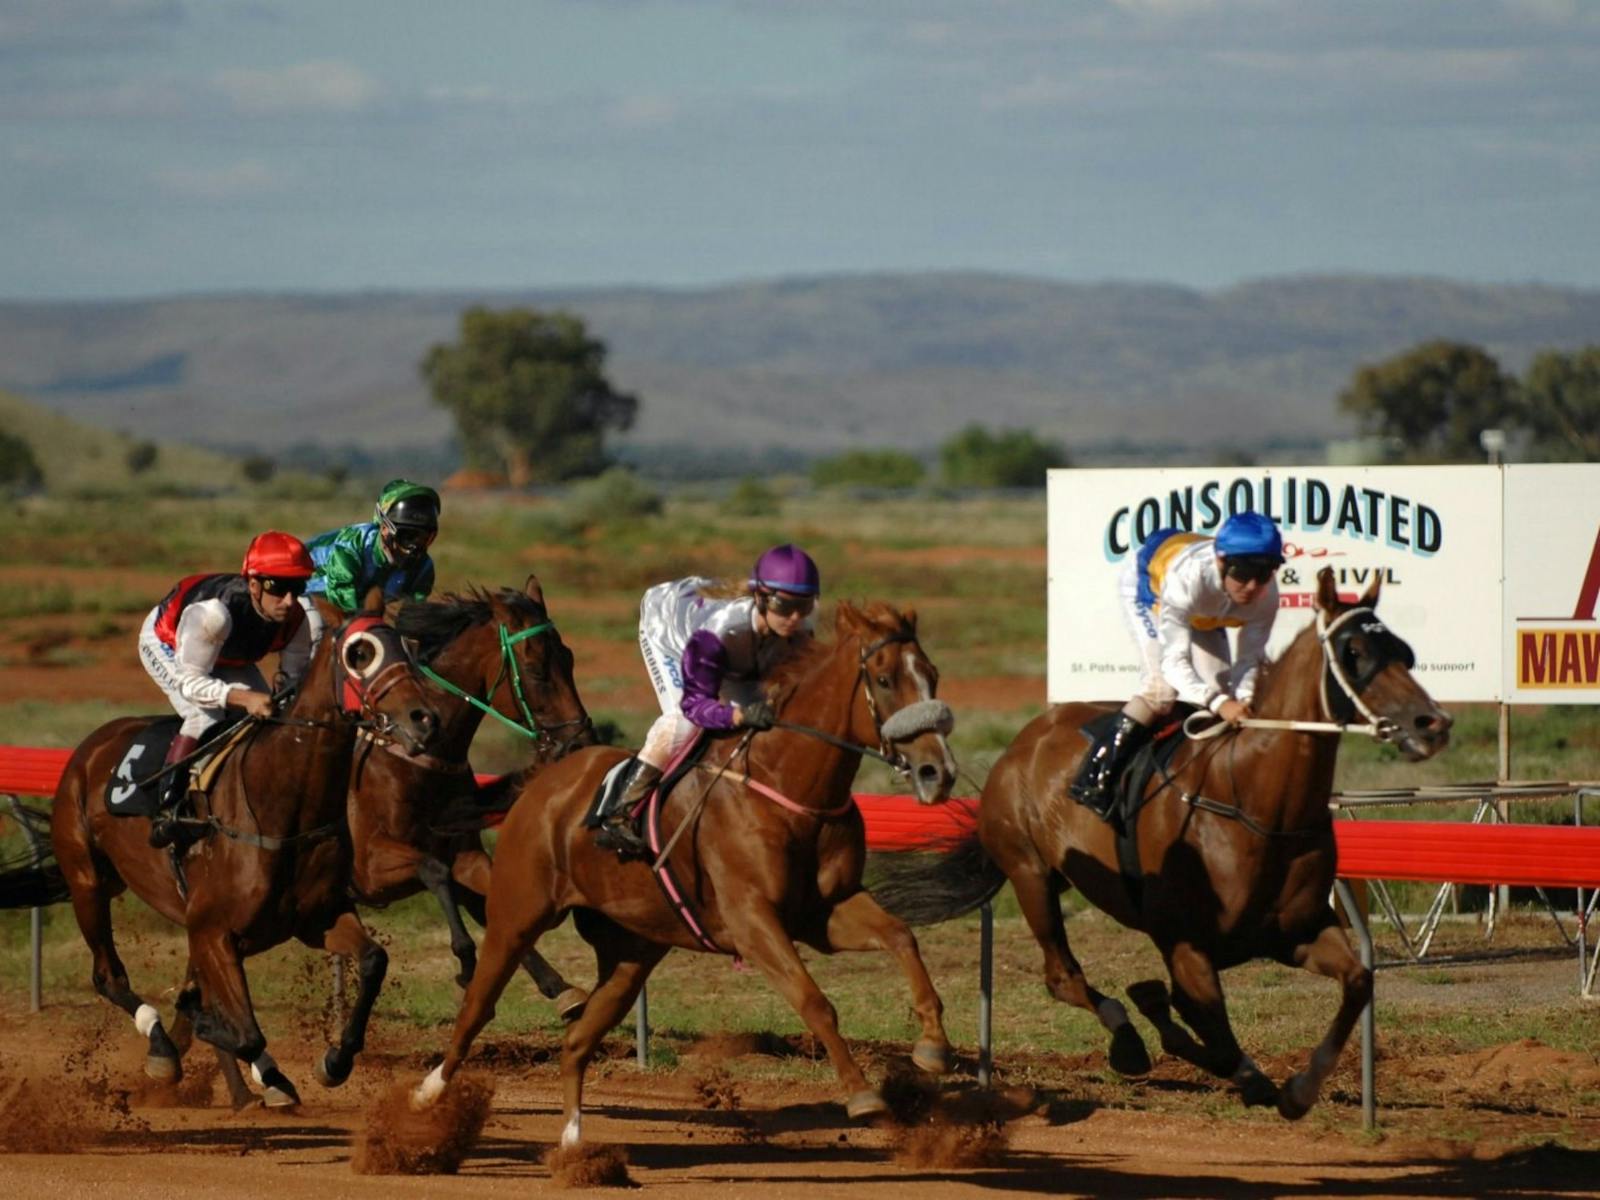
[[614, 495], [868, 468], [141, 456], [1013, 458], [258, 468], [752, 497]]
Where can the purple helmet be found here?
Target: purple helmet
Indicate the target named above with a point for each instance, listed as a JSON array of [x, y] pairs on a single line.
[[787, 568]]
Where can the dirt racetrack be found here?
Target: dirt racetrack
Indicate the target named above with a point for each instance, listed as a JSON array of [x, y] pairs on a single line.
[[77, 1118]]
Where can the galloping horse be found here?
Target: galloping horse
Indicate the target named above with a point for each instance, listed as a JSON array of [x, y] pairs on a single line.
[[1235, 848], [275, 863], [488, 653], [765, 838]]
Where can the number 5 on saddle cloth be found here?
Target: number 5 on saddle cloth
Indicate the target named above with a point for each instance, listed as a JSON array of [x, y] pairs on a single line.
[[134, 789]]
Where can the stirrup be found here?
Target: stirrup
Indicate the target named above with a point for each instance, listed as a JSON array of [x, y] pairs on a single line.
[[165, 830], [618, 835]]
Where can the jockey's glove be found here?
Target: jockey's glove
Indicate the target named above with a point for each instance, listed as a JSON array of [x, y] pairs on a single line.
[[758, 715]]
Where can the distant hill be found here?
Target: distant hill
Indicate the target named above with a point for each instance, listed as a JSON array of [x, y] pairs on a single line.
[[805, 365], [74, 456]]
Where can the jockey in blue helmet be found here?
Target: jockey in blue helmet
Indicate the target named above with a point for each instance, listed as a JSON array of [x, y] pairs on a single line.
[[708, 649], [1181, 593]]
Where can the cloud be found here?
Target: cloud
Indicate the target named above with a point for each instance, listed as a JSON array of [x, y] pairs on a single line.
[[326, 86], [79, 26], [248, 177]]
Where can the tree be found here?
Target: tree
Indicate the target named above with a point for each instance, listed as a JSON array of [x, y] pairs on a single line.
[[258, 468], [19, 469], [1435, 398], [1013, 458], [141, 456], [868, 468], [529, 394], [1560, 404]]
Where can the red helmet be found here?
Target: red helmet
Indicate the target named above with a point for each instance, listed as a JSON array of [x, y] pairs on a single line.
[[278, 555]]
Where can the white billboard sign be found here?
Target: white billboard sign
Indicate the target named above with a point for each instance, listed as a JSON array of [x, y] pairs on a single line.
[[1432, 533], [1552, 581]]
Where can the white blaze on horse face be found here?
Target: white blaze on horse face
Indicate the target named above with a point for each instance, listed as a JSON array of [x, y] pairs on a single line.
[[572, 1134], [925, 689]]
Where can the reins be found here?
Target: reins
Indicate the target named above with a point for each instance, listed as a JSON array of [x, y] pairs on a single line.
[[508, 664]]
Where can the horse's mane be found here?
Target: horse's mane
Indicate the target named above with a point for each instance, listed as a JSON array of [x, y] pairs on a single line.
[[810, 658], [1272, 668], [436, 623]]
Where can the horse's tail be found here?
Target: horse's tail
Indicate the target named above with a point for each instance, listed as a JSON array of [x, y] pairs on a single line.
[[924, 890], [32, 887]]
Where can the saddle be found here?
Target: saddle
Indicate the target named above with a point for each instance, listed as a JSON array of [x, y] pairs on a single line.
[[134, 789], [1130, 789], [609, 794]]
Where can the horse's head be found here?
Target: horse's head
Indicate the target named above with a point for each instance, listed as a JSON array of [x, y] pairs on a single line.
[[371, 676], [898, 708], [541, 683], [1367, 674]]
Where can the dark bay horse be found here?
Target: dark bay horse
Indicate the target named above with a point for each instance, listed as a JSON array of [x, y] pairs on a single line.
[[1235, 849], [485, 653], [274, 864], [771, 854]]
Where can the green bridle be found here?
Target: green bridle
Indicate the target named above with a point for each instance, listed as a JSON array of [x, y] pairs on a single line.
[[508, 662]]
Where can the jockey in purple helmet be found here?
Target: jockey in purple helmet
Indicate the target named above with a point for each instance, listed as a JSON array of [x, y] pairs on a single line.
[[707, 650], [1181, 593]]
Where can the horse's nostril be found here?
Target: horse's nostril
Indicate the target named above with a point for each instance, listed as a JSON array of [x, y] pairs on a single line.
[[929, 773]]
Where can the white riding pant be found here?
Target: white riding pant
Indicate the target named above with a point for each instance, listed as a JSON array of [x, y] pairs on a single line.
[[158, 659], [1209, 651]]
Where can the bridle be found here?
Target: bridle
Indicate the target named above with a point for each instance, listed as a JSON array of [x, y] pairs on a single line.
[[509, 666], [357, 695]]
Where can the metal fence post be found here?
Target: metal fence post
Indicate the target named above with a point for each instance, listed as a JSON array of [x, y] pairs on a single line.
[[641, 1028], [1369, 1020], [40, 852], [985, 994]]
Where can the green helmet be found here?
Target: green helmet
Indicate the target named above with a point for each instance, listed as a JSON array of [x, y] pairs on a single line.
[[403, 504]]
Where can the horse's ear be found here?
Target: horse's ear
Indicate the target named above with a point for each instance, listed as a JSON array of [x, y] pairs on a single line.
[[372, 602], [533, 590], [908, 618], [1327, 592], [1369, 598], [846, 618]]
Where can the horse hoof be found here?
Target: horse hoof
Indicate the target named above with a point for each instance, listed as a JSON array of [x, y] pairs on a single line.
[[328, 1071], [1128, 1055], [1259, 1092], [275, 1097], [570, 1004], [1293, 1103], [933, 1057], [162, 1068], [865, 1104]]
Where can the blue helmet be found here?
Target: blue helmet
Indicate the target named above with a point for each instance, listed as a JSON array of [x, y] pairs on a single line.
[[1249, 534]]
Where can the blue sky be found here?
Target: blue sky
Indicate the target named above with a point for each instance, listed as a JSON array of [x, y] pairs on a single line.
[[153, 146]]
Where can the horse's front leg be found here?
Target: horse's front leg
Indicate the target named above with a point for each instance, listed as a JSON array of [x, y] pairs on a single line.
[[858, 923], [1328, 953], [766, 945], [435, 876], [470, 869], [1197, 995], [222, 1014], [347, 936]]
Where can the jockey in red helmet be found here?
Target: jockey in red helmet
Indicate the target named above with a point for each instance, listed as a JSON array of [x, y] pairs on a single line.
[[707, 650], [201, 645]]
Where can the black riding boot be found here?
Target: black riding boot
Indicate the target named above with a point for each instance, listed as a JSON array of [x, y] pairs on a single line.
[[616, 828], [1105, 760], [164, 827]]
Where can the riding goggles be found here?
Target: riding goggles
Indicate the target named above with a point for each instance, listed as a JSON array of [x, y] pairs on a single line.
[[411, 539], [273, 586], [1252, 570], [785, 604]]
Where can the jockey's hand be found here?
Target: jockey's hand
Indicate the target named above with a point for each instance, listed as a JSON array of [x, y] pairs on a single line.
[[257, 704], [758, 715], [1233, 712]]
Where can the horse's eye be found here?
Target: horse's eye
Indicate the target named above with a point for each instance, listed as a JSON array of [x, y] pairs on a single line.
[[359, 655], [883, 681]]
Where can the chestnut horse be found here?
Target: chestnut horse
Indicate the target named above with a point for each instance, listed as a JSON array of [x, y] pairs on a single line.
[[1235, 848], [274, 862], [771, 853], [488, 653]]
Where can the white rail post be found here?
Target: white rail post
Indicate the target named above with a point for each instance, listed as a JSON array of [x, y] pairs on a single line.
[[1369, 1020], [985, 994]]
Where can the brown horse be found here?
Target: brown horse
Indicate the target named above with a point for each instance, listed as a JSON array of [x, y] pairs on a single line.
[[771, 853], [486, 653], [275, 862], [1234, 846]]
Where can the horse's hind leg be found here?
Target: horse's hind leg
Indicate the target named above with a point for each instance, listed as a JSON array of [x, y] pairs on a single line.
[[435, 876], [624, 961], [505, 941], [471, 871], [348, 937], [1197, 995], [1328, 953], [91, 887], [858, 923], [239, 1093], [1063, 976]]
